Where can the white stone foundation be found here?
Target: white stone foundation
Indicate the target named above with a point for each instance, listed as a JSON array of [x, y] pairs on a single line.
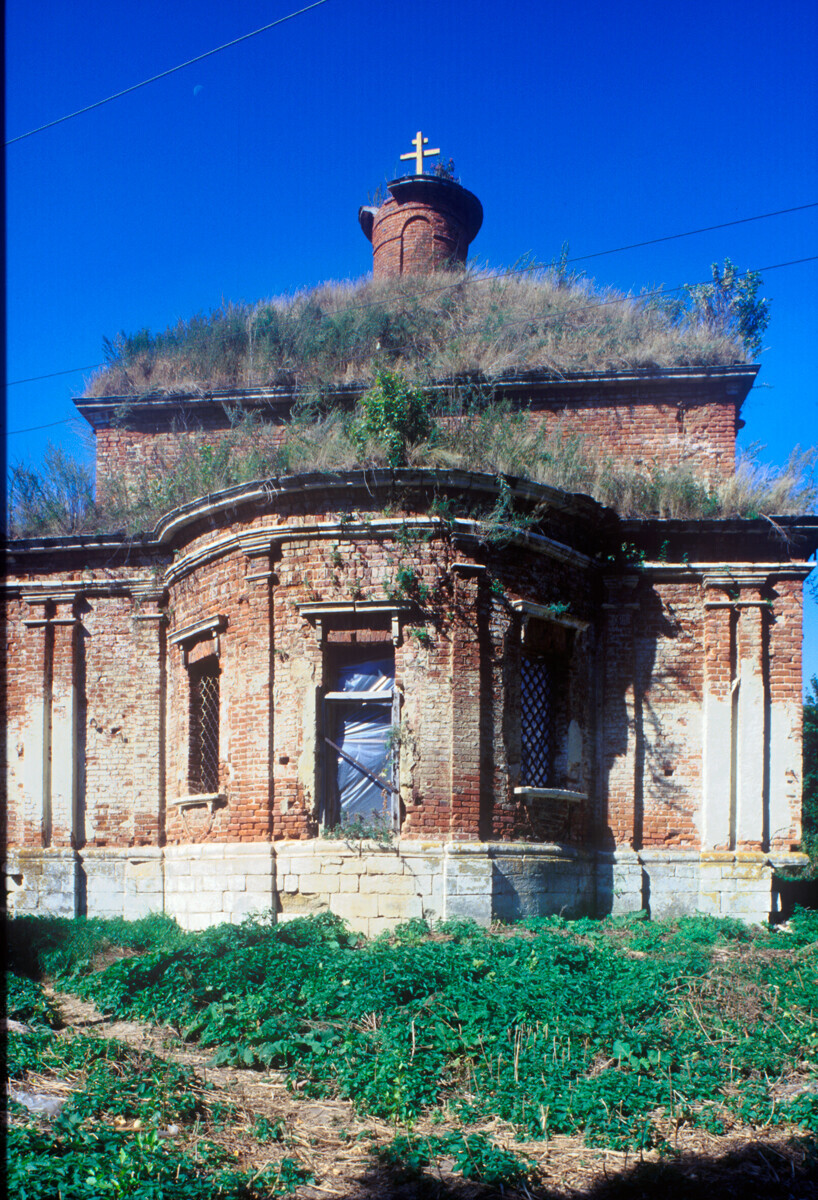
[[374, 888], [211, 884], [44, 883]]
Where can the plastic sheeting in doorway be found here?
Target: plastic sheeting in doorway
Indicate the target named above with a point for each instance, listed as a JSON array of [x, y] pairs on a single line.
[[363, 731]]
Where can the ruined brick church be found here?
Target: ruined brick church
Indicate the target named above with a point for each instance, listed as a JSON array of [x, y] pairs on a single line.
[[206, 721]]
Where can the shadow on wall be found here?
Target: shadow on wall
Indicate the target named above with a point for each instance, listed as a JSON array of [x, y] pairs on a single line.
[[540, 886], [637, 621], [80, 832], [789, 894]]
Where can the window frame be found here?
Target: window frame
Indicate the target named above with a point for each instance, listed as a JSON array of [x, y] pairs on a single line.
[[332, 703], [536, 765], [532, 613], [190, 639], [204, 720]]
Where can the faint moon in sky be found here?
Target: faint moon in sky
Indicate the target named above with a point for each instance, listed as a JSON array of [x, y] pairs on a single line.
[[198, 88]]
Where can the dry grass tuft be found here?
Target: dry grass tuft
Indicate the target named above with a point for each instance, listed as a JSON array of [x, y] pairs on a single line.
[[481, 436], [437, 326]]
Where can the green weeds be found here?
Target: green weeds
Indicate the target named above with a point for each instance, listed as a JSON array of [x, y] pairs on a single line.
[[75, 1162], [66, 947], [616, 1030], [395, 415], [497, 441], [474, 1156], [115, 1135]]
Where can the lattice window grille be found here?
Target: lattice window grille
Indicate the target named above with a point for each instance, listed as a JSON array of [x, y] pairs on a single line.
[[536, 721], [204, 732]]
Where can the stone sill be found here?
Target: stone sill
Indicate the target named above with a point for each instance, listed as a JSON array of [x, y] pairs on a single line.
[[530, 794], [211, 800]]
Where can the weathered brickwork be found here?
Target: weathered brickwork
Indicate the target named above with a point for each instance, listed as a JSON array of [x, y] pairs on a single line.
[[643, 433], [628, 425], [674, 723], [411, 239], [570, 712], [667, 714], [681, 417], [141, 449], [424, 225]]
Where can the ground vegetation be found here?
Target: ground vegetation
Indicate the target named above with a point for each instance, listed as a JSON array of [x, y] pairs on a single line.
[[438, 1059]]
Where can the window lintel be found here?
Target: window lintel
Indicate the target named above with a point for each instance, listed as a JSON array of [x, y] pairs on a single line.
[[545, 612], [210, 627], [318, 611]]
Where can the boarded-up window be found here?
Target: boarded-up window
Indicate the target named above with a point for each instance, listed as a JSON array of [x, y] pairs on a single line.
[[359, 718], [203, 770]]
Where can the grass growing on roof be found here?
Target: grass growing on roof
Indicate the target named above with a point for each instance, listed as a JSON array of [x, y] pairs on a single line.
[[436, 326], [470, 431]]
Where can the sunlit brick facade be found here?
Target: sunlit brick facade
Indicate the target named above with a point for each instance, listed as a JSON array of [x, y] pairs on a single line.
[[357, 692]]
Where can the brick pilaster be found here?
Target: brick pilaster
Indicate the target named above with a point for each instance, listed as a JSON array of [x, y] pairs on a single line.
[[149, 656], [752, 746], [37, 728], [466, 713], [718, 767], [623, 820], [64, 764]]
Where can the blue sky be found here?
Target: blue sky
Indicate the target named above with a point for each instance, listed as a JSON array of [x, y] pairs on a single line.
[[240, 177]]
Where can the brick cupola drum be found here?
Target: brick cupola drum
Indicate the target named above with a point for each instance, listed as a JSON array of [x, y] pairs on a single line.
[[427, 223]]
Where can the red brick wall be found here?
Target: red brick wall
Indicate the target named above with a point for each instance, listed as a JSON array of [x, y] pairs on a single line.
[[220, 589], [647, 433], [13, 673], [652, 691], [633, 681], [784, 659], [120, 715], [135, 456], [627, 429], [785, 641], [454, 726], [413, 238], [113, 666]]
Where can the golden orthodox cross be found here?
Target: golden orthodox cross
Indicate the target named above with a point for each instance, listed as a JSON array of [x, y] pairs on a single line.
[[418, 154]]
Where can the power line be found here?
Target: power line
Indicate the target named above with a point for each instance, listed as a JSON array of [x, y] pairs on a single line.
[[514, 271], [539, 266], [164, 74], [662, 291], [448, 287], [34, 428], [690, 232], [792, 263], [54, 374]]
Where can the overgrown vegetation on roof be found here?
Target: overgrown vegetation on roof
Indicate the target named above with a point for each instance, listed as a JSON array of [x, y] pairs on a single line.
[[470, 432], [439, 326]]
